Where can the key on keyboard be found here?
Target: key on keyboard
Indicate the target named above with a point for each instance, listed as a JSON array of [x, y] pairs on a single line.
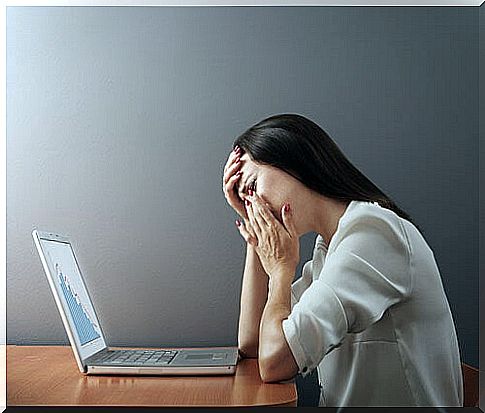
[[138, 357]]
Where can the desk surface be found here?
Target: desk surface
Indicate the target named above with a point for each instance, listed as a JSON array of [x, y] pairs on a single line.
[[48, 375]]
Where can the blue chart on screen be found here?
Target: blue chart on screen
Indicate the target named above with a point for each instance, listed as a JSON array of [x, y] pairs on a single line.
[[84, 326]]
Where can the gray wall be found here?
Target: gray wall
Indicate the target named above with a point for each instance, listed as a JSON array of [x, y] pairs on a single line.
[[119, 121]]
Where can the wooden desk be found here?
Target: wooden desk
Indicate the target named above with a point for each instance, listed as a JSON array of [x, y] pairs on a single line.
[[48, 375]]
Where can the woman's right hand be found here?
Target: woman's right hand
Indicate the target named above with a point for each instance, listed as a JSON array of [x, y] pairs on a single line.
[[232, 174]]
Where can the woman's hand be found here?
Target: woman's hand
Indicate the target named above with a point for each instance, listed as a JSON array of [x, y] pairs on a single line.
[[278, 245], [232, 174]]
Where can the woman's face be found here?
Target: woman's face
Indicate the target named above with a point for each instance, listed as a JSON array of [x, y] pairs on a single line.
[[273, 185]]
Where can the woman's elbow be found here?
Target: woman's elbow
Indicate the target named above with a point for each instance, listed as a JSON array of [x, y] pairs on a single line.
[[248, 351], [274, 370]]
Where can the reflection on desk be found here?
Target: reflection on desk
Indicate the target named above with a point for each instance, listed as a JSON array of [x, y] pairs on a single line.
[[48, 375]]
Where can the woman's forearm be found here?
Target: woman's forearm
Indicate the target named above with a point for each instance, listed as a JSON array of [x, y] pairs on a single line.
[[276, 361], [254, 294]]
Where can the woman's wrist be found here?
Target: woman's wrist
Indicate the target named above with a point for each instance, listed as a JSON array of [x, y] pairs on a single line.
[[280, 282]]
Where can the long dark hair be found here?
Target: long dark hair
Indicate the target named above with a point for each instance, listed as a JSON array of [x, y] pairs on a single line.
[[304, 150]]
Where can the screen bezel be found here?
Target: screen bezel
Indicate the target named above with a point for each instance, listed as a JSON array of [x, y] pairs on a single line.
[[96, 345]]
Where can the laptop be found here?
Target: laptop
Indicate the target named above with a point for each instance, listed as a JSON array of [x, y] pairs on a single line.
[[92, 354]]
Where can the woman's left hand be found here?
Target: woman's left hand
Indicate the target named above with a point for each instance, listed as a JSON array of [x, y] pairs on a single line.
[[278, 245]]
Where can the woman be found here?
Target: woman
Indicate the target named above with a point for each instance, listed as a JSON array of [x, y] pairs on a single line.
[[369, 311]]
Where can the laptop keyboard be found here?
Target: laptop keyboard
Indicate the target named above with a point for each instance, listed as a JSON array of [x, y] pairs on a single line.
[[136, 357]]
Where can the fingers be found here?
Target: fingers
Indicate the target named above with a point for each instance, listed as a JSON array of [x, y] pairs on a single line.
[[257, 226], [262, 211], [233, 157], [229, 185], [246, 233], [233, 198], [231, 170], [230, 179], [286, 213]]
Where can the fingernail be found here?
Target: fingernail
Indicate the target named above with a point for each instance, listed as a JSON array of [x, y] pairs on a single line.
[[238, 222], [250, 192], [247, 202], [287, 207], [239, 173]]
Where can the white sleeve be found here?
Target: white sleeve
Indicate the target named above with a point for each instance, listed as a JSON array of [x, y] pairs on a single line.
[[367, 272], [302, 283]]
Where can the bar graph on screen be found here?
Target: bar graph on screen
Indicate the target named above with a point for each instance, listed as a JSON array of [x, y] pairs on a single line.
[[86, 329]]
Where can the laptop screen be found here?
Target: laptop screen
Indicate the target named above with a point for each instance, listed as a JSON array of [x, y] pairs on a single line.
[[78, 309]]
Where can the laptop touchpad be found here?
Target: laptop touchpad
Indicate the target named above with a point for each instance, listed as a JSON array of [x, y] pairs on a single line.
[[198, 356]]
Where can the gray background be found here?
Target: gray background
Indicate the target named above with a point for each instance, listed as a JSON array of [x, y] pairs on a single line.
[[119, 122], [482, 206]]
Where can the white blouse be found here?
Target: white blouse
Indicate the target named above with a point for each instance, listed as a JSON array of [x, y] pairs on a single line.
[[370, 313]]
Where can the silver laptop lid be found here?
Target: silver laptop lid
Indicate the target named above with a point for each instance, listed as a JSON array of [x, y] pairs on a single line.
[[71, 296]]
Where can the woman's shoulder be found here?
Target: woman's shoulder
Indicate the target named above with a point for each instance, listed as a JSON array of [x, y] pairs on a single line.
[[369, 211], [358, 212], [365, 217]]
